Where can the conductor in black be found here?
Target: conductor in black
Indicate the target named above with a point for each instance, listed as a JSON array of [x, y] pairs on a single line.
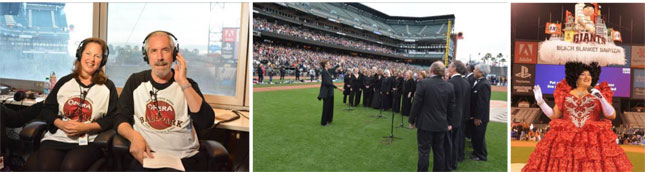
[[327, 94], [432, 111]]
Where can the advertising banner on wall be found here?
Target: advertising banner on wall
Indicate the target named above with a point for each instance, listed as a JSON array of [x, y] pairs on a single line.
[[548, 76], [638, 56], [638, 87], [525, 52], [523, 79]]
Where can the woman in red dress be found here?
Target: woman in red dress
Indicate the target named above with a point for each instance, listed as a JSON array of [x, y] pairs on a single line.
[[580, 138]]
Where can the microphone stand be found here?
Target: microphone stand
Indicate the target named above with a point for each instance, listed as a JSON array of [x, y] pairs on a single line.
[[389, 139], [401, 126]]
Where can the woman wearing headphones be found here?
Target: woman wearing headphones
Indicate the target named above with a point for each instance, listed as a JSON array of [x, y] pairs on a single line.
[[80, 105]]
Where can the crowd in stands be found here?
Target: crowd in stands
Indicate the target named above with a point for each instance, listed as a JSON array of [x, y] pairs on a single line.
[[276, 57], [260, 24], [626, 136]]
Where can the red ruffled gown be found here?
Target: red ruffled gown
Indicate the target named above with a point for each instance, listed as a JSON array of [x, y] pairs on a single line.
[[581, 140]]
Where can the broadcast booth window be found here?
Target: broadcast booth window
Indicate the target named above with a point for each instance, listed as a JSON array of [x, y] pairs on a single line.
[[212, 37], [38, 38]]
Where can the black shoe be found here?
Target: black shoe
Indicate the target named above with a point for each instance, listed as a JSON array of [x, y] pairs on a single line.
[[477, 159]]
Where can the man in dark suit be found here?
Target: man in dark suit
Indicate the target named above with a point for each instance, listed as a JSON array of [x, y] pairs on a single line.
[[469, 122], [455, 144], [470, 77], [480, 108], [432, 112], [327, 94]]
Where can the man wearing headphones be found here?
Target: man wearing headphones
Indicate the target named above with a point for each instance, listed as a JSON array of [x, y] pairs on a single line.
[[160, 108]]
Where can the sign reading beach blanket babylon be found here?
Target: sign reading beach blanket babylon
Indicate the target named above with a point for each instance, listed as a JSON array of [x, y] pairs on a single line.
[[586, 39]]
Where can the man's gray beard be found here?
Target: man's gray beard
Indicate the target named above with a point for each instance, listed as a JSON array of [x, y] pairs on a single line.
[[161, 73]]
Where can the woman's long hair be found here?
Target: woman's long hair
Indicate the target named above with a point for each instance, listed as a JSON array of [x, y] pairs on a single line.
[[99, 76]]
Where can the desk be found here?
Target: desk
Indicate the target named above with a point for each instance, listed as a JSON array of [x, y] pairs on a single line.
[[25, 102], [233, 135], [241, 124]]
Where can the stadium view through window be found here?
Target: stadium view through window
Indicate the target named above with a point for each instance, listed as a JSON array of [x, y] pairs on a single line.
[[40, 38], [207, 34]]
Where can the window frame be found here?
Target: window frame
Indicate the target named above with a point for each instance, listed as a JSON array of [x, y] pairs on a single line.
[[241, 99]]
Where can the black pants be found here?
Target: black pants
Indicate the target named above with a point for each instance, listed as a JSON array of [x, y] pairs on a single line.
[[345, 95], [367, 98], [58, 156], [461, 143], [470, 127], [407, 105], [355, 98], [328, 110], [427, 139], [14, 119], [198, 162], [479, 141], [260, 78], [451, 145]]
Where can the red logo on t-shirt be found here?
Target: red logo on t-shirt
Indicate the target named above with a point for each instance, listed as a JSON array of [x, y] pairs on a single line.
[[73, 107], [160, 115]]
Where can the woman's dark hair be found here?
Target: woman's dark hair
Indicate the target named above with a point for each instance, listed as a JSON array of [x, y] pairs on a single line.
[[574, 69], [322, 63]]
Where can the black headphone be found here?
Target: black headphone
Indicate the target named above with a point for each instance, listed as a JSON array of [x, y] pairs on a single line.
[[81, 47], [19, 96], [174, 51]]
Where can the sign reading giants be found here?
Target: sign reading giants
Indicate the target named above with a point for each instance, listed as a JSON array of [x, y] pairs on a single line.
[[523, 79], [526, 52]]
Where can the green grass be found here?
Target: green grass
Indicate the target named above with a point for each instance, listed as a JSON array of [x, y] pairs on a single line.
[[498, 95], [521, 155], [287, 136]]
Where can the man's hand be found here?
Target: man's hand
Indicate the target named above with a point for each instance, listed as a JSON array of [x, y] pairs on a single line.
[[449, 127], [139, 148], [477, 122], [411, 126], [180, 71]]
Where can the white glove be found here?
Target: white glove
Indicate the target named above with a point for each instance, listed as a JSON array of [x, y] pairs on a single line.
[[596, 93], [607, 108], [537, 92]]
